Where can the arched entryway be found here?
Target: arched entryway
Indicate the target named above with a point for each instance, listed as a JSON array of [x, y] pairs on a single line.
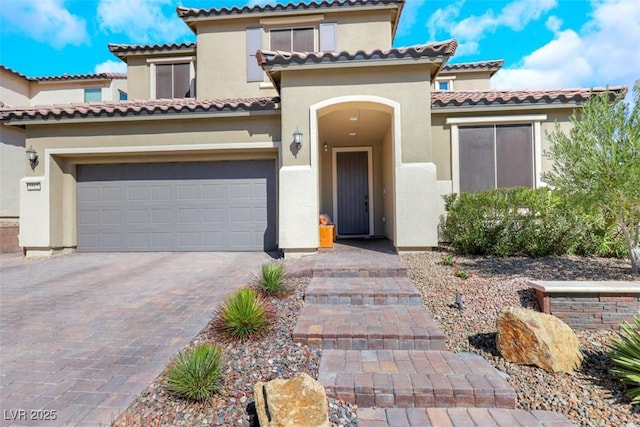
[[355, 142]]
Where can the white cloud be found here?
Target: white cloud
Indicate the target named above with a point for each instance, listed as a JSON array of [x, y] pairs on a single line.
[[553, 23], [468, 31], [111, 67], [46, 21], [142, 21], [409, 15], [603, 52]]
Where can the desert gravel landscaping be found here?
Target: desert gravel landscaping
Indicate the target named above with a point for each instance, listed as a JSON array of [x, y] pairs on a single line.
[[588, 397]]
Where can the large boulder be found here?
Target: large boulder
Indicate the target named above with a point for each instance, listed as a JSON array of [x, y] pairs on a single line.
[[527, 337], [298, 402]]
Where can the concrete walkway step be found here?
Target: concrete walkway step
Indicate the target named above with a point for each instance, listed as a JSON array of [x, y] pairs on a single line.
[[359, 291], [458, 417], [368, 327], [413, 378]]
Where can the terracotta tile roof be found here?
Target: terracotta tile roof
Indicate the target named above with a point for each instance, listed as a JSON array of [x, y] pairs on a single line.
[[493, 66], [449, 99], [137, 108], [266, 57], [186, 12], [122, 50], [95, 76]]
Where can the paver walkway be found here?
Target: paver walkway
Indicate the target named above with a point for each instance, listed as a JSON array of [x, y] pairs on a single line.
[[382, 352], [84, 334]]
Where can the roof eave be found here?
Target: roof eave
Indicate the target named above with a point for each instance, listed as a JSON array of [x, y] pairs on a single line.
[[123, 55], [352, 63], [142, 116], [189, 20], [437, 109]]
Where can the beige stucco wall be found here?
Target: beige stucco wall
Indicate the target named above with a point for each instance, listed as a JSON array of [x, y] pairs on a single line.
[[13, 166], [62, 147], [222, 67], [388, 186], [138, 78], [14, 90], [407, 85], [366, 31], [48, 93]]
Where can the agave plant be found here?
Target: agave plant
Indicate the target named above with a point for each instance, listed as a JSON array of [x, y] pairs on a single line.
[[243, 315], [625, 355], [195, 373], [271, 281]]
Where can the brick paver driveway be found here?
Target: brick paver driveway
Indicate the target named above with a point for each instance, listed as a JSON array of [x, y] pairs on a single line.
[[83, 334]]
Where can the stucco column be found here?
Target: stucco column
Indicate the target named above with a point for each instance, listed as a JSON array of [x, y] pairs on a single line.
[[298, 184]]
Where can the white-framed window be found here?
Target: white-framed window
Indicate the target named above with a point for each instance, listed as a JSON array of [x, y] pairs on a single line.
[[172, 81], [444, 83], [496, 152], [93, 95], [172, 77], [293, 39]]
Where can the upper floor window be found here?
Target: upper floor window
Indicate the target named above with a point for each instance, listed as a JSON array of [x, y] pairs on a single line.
[[173, 81], [122, 95], [443, 83], [93, 95], [293, 39]]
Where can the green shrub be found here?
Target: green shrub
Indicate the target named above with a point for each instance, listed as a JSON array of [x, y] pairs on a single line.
[[271, 280], [625, 356], [243, 315], [529, 222], [195, 373]]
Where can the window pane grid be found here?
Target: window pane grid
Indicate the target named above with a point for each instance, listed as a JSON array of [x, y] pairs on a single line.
[[173, 80], [496, 156], [293, 39]]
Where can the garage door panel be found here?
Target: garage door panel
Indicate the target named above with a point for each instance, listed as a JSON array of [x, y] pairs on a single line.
[[212, 215], [138, 216], [191, 206], [111, 217], [110, 194]]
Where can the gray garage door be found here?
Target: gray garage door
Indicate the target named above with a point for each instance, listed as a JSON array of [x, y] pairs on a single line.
[[187, 206]]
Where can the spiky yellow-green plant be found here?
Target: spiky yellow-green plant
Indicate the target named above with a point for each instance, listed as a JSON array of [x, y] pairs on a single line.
[[271, 281], [244, 314], [195, 373], [625, 355]]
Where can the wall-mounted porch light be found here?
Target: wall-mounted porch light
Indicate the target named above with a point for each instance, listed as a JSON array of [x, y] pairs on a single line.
[[297, 138], [326, 147], [32, 156]]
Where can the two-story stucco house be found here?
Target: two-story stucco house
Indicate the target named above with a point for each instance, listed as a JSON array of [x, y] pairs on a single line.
[[275, 115], [16, 89]]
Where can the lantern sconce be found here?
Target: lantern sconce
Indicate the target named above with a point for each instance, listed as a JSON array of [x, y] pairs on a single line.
[[297, 138], [32, 156], [326, 147]]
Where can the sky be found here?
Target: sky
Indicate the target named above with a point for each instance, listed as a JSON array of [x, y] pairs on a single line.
[[544, 43]]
